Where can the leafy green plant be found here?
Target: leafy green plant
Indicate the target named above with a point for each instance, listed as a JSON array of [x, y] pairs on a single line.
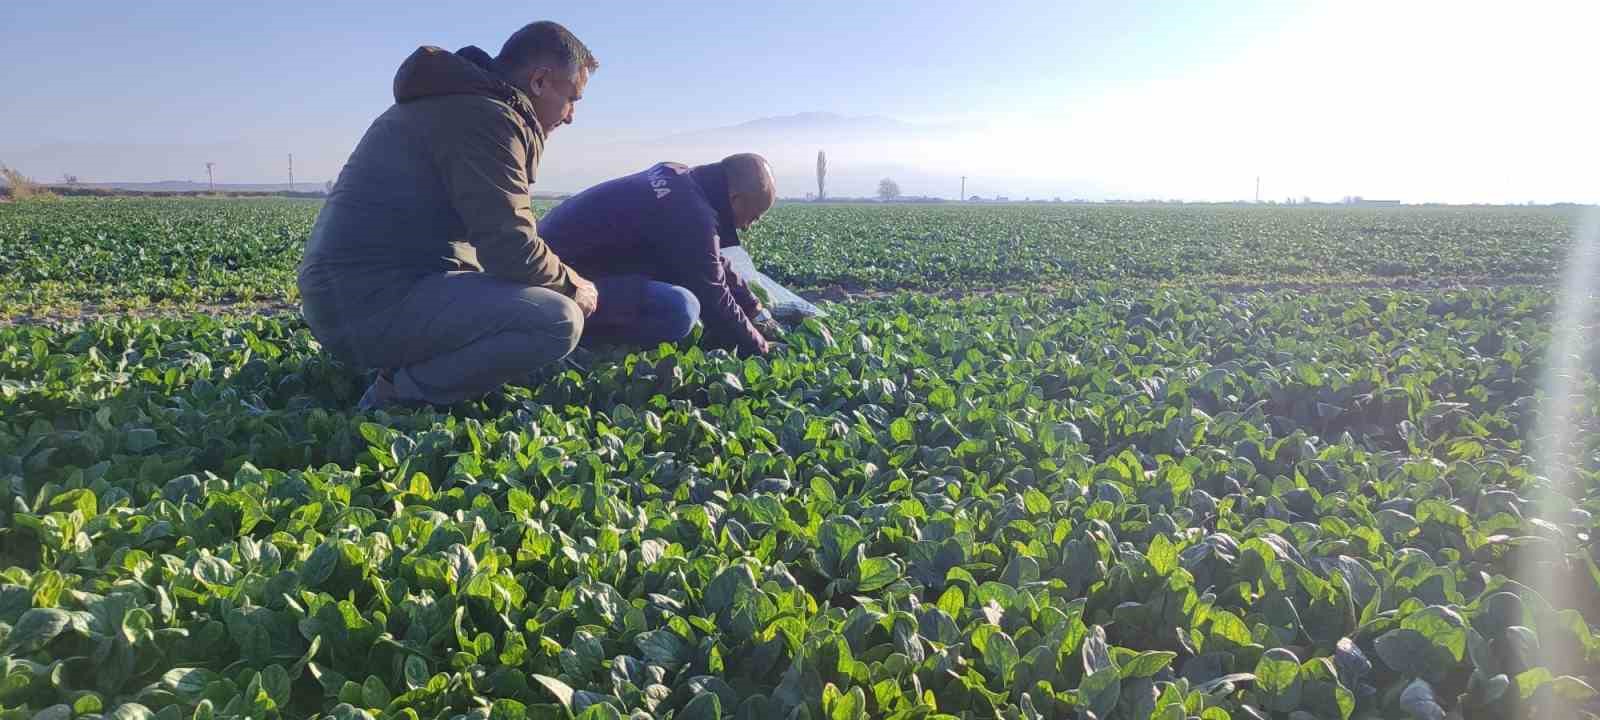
[[183, 252], [1117, 503]]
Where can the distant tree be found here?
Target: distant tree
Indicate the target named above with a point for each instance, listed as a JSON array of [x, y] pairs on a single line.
[[822, 175], [888, 189], [19, 186], [327, 187], [69, 179]]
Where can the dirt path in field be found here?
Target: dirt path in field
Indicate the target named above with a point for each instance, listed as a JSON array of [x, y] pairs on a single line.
[[92, 312], [826, 293], [847, 293], [1461, 283]]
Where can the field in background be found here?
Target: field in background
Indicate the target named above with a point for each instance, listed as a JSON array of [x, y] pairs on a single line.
[[137, 251], [1110, 498]]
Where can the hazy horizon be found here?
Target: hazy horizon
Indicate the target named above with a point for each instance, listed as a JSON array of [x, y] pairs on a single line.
[[1421, 103]]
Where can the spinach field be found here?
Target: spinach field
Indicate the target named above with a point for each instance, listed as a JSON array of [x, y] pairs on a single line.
[[1092, 495], [124, 252]]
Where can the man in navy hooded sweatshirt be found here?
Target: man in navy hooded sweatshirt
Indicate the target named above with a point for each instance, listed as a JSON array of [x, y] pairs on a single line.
[[651, 243]]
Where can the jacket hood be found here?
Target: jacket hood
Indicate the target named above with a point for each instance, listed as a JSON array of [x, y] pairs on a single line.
[[433, 71], [713, 181]]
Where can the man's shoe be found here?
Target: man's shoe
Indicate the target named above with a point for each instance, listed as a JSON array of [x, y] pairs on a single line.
[[580, 359], [546, 373], [379, 394]]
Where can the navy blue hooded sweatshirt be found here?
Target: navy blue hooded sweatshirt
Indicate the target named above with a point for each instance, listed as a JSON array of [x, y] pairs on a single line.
[[668, 223]]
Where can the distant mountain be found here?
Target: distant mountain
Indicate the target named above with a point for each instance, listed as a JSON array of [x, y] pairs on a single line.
[[825, 121], [189, 186], [810, 126], [924, 158], [192, 186]]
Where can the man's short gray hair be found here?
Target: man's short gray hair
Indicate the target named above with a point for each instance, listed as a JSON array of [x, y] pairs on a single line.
[[548, 44]]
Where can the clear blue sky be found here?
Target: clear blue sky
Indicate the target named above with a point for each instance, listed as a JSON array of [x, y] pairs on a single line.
[[260, 80]]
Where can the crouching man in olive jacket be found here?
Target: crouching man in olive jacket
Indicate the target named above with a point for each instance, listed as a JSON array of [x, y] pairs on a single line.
[[426, 262]]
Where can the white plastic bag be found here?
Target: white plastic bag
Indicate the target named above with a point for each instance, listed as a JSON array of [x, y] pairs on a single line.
[[785, 303]]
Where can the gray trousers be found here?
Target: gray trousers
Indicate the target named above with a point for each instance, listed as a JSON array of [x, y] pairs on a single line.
[[453, 336]]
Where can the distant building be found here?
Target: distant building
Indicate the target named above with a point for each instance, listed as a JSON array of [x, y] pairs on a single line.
[[1364, 202]]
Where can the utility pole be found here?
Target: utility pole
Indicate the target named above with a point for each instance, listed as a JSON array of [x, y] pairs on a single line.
[[963, 196], [291, 172], [1258, 189], [211, 181]]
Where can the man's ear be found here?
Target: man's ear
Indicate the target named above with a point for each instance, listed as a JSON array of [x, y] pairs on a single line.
[[536, 81]]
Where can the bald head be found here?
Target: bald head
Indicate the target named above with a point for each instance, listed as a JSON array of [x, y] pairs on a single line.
[[749, 172], [751, 189]]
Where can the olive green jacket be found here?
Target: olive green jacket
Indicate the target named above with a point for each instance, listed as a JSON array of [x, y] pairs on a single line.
[[440, 182]]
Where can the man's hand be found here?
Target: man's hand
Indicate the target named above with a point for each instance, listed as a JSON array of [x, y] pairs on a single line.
[[585, 294], [769, 325]]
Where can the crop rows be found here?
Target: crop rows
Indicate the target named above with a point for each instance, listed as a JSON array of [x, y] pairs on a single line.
[[1107, 503], [139, 250], [944, 247], [181, 251]]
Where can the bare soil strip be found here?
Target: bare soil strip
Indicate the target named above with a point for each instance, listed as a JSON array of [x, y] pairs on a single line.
[[91, 312]]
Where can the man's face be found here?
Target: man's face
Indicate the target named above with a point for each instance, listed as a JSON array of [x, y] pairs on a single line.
[[554, 94], [748, 207]]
